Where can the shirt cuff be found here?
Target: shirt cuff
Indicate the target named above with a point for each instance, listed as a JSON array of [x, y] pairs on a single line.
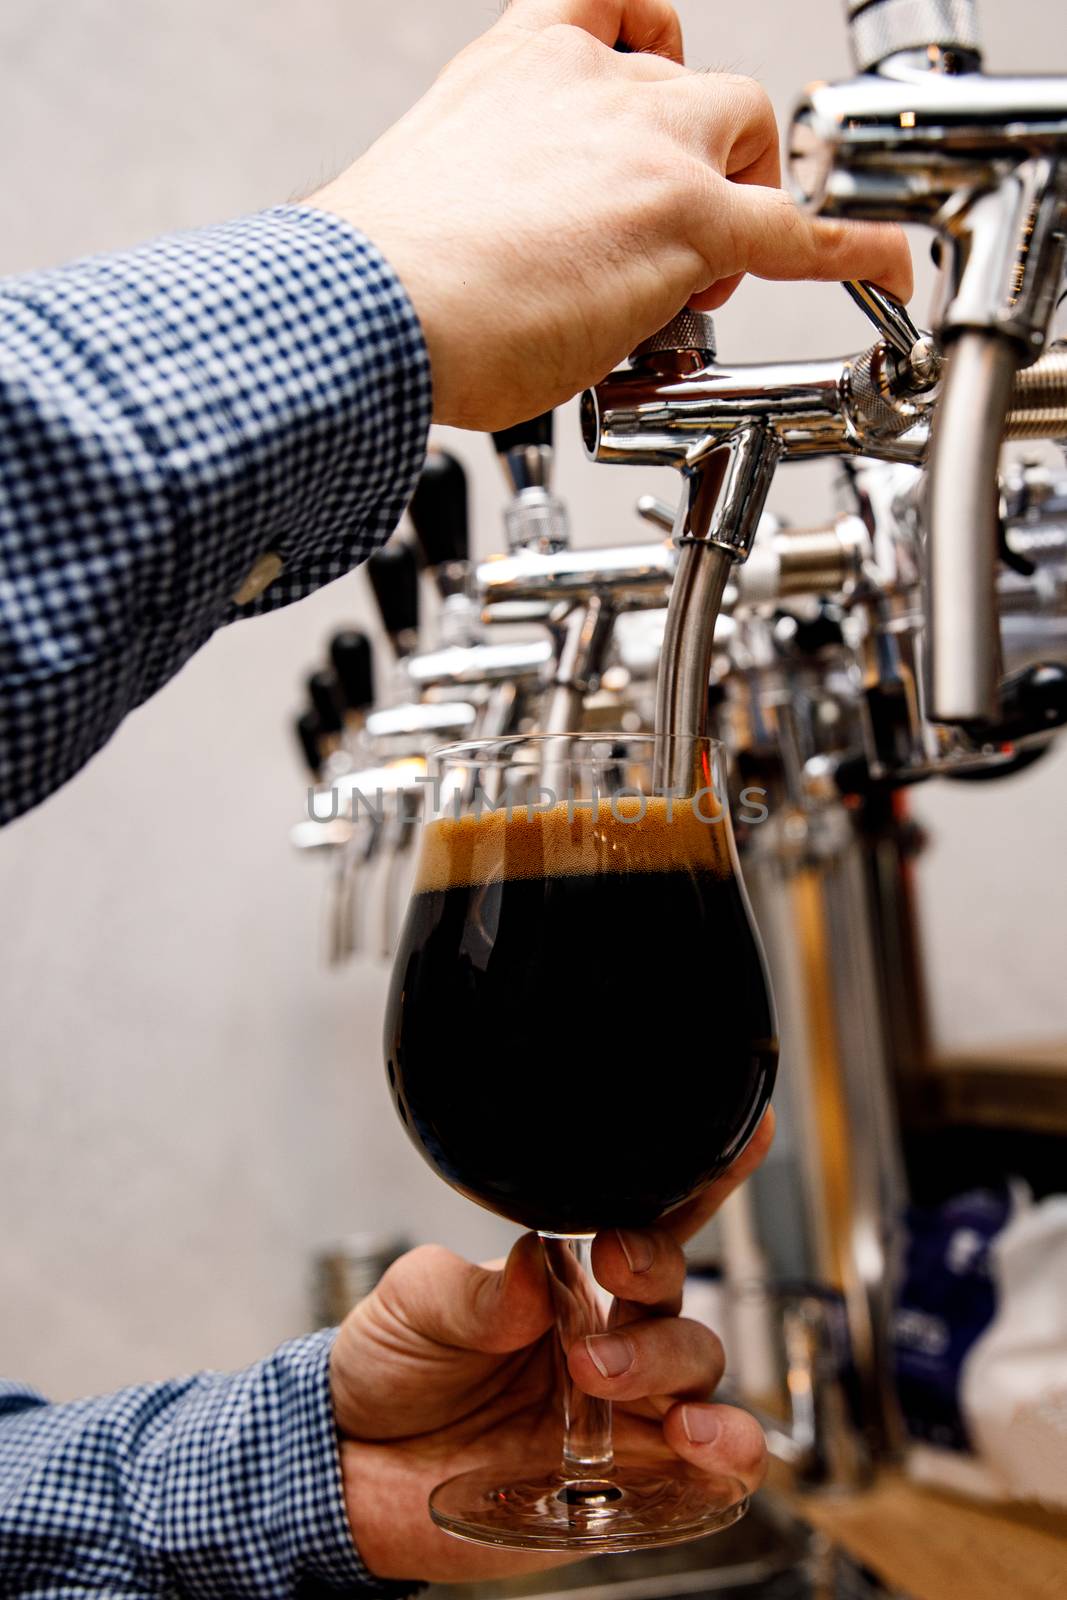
[[325, 1551]]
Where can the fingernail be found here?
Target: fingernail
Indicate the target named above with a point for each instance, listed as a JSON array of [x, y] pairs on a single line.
[[637, 1248], [701, 1425], [612, 1355]]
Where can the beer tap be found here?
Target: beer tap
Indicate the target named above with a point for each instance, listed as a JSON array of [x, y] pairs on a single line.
[[308, 737], [320, 733], [922, 135], [726, 429], [324, 692], [352, 662], [497, 674], [394, 579], [535, 518], [439, 515]]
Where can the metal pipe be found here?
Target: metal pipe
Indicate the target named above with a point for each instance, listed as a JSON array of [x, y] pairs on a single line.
[[584, 635], [685, 664], [721, 506], [882, 147], [575, 574], [963, 635]]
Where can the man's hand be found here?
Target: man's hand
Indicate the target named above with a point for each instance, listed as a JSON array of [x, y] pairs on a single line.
[[448, 1366], [551, 202]]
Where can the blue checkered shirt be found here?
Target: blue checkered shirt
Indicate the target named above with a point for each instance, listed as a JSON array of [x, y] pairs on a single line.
[[168, 418], [171, 417], [217, 1487]]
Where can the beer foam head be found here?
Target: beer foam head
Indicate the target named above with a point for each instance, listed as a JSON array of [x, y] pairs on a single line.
[[627, 834]]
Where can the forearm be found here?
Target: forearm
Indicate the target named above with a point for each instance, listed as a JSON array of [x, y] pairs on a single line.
[[210, 1487], [245, 402]]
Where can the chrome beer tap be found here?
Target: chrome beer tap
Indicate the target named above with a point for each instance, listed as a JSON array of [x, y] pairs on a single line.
[[726, 428], [922, 135]]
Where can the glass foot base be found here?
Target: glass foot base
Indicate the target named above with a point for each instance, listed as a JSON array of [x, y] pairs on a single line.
[[630, 1508]]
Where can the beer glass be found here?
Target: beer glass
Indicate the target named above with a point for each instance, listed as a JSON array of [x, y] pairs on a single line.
[[580, 1037]]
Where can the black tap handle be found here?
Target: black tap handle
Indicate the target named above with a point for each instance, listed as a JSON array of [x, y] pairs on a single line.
[[394, 577], [537, 431], [325, 693], [308, 733], [439, 510], [353, 664]]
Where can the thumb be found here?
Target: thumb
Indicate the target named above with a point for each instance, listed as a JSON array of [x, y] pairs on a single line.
[[447, 1301]]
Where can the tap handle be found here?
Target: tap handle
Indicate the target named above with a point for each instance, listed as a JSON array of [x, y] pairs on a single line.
[[525, 453], [353, 664], [535, 434], [438, 510], [325, 695], [880, 29], [394, 577], [689, 331], [888, 314], [308, 733]]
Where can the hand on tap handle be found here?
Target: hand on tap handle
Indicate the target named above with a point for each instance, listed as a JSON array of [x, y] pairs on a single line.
[[509, 200]]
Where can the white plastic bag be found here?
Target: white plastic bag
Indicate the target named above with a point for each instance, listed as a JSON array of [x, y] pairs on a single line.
[[1013, 1384]]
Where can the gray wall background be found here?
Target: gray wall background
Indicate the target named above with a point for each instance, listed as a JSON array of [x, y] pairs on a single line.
[[189, 1102]]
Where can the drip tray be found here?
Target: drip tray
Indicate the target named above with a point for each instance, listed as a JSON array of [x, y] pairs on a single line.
[[765, 1556]]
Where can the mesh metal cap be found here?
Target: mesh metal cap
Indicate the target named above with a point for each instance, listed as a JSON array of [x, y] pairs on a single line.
[[689, 330], [883, 28]]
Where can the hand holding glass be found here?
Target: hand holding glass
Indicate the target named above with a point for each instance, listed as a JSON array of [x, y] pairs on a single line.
[[580, 1037]]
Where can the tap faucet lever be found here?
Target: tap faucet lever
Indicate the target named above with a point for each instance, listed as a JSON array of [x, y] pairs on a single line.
[[888, 314]]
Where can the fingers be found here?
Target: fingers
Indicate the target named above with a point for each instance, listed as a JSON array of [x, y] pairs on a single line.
[[717, 294], [736, 126], [718, 1439], [659, 1356], [442, 1298], [688, 1219], [649, 26], [773, 238], [646, 1267]]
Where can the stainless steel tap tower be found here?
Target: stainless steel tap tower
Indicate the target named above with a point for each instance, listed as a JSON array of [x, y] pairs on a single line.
[[922, 631]]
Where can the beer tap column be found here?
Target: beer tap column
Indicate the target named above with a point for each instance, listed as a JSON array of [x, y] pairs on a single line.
[[923, 136], [1004, 255]]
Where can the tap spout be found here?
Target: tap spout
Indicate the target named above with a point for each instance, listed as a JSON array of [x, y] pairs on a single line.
[[723, 500], [963, 515]]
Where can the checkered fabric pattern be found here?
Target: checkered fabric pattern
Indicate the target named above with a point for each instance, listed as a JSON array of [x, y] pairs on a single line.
[[216, 1487], [168, 416]]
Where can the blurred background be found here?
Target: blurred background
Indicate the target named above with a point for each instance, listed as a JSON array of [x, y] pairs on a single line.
[[190, 1103]]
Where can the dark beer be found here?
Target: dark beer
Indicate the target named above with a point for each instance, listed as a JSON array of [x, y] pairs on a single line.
[[579, 1032]]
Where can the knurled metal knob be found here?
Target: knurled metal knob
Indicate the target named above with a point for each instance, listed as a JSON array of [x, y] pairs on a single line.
[[689, 330], [883, 28]]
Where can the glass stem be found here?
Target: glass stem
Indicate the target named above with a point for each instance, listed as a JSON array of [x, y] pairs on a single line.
[[582, 1307]]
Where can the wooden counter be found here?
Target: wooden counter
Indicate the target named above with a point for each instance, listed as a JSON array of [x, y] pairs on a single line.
[[934, 1546]]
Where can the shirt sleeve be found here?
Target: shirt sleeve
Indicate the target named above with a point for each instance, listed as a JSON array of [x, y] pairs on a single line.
[[198, 430], [216, 1487]]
